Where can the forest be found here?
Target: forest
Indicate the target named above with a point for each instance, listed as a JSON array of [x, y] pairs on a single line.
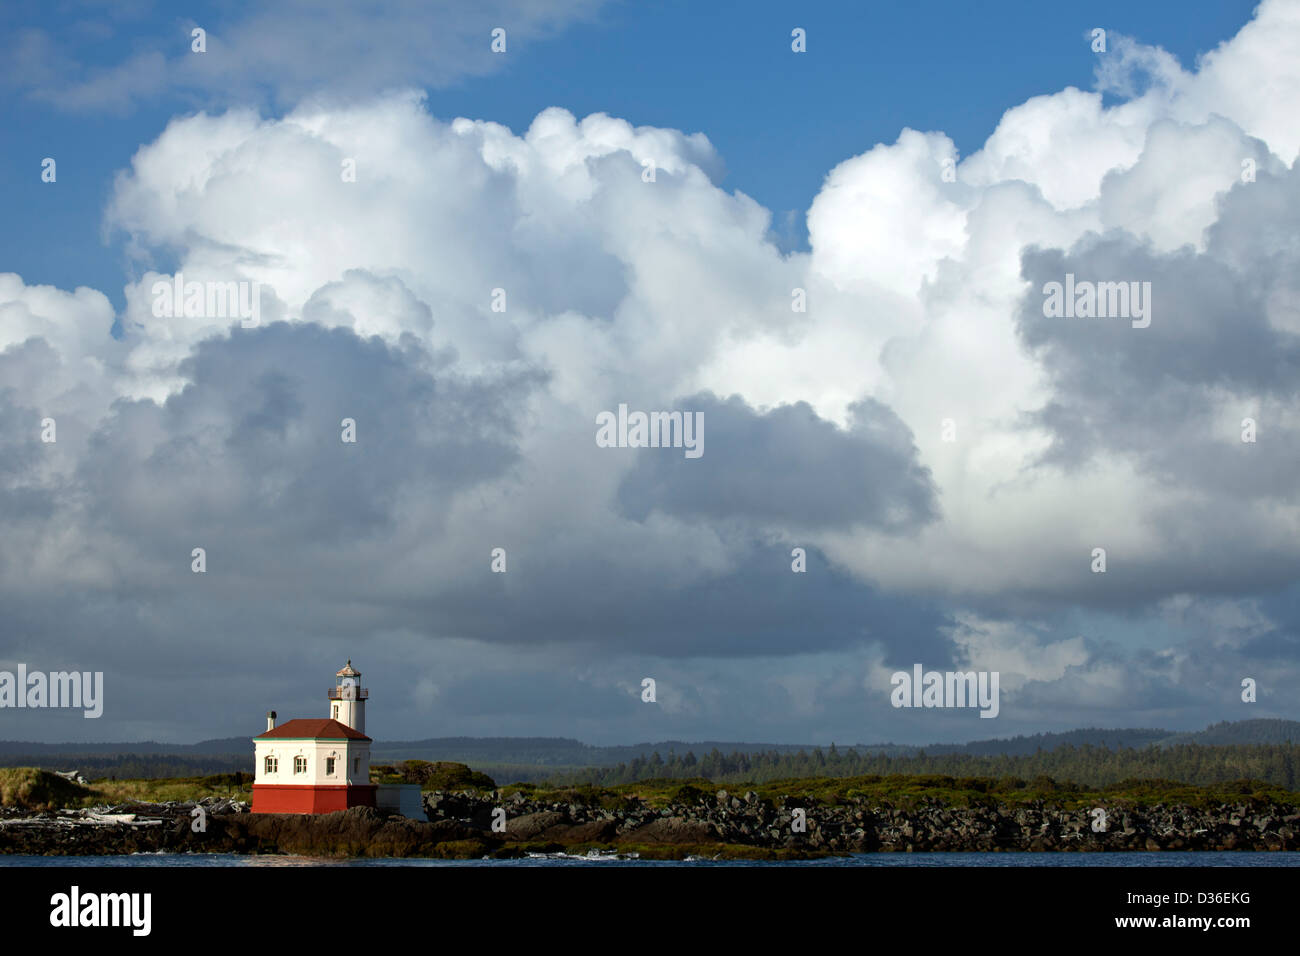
[[1088, 764]]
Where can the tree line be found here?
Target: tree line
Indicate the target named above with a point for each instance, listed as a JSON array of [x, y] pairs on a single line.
[[1196, 764]]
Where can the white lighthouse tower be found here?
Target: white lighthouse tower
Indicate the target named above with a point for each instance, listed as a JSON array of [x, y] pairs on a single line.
[[348, 698]]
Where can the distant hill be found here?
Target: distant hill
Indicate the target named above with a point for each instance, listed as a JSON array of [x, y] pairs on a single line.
[[227, 745], [1261, 731], [555, 751], [1112, 739], [536, 758]]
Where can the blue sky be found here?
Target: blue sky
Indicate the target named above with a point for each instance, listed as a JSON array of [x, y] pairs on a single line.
[[1167, 159]]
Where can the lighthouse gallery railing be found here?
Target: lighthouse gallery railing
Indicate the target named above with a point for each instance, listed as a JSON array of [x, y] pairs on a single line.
[[349, 693]]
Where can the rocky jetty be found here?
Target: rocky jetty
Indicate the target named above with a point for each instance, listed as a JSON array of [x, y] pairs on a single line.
[[465, 825], [745, 820]]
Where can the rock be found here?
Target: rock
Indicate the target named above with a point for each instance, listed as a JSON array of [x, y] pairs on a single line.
[[594, 831], [672, 830], [461, 827], [531, 825]]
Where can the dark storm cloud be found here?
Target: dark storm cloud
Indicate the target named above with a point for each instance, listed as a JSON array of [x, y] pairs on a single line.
[[757, 607], [315, 546], [1150, 392], [1132, 389], [788, 467], [302, 531], [249, 456], [1171, 399]]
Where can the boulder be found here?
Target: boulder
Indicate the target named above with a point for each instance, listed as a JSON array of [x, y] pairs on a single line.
[[672, 830], [532, 825], [594, 831]]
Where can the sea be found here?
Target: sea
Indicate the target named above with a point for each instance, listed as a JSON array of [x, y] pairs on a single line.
[[1242, 859]]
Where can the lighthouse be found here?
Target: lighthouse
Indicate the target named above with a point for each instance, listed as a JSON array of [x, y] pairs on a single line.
[[315, 765], [348, 698]]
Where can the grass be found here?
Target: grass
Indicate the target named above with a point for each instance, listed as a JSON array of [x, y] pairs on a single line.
[[238, 786], [33, 789]]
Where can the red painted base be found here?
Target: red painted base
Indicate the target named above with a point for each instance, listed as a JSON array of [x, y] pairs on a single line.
[[274, 798]]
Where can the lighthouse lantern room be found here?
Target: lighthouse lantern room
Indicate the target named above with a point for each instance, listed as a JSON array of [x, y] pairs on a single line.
[[317, 765]]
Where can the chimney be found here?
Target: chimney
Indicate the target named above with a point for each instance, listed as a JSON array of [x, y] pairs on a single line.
[[270, 720]]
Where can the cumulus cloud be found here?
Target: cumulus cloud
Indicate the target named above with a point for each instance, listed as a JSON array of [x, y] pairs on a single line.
[[946, 453]]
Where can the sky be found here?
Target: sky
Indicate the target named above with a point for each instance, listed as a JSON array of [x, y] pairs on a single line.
[[840, 265]]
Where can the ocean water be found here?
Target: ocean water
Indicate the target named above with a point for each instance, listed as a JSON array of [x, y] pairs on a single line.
[[1141, 859]]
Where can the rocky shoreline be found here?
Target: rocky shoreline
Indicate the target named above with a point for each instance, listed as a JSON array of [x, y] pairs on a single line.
[[461, 825]]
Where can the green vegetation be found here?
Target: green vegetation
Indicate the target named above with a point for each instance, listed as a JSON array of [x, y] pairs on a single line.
[[909, 791], [1197, 764], [436, 775], [34, 789], [236, 786]]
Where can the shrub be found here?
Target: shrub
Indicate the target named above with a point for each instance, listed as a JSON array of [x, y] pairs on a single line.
[[444, 775], [33, 789]]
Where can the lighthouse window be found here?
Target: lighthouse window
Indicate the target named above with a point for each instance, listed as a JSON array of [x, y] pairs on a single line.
[[336, 711], [329, 766], [272, 764], [356, 764], [299, 764]]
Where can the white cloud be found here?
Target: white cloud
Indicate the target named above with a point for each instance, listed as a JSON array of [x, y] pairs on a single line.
[[280, 52], [621, 290]]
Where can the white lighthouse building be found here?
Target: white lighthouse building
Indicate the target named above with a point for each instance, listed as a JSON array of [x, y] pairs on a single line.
[[317, 765]]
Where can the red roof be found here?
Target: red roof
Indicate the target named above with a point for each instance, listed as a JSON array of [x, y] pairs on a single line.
[[322, 728]]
